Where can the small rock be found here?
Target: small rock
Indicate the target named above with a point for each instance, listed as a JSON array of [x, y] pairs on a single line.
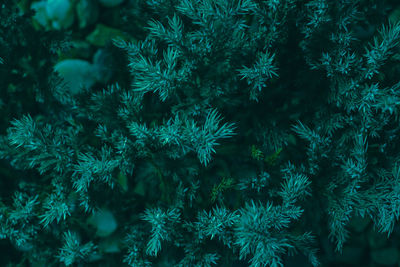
[[110, 245], [102, 60], [359, 224], [351, 255], [376, 239], [87, 11], [386, 256], [102, 34], [140, 189], [77, 73], [104, 221], [110, 3], [60, 13], [80, 49], [394, 16], [40, 13]]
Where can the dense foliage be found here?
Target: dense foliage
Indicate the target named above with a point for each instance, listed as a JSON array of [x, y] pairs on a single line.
[[199, 133]]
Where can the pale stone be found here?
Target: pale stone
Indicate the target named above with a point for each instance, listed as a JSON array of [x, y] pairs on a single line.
[[87, 11], [104, 221], [78, 74], [60, 13]]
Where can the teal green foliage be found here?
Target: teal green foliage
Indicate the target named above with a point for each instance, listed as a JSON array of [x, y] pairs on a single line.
[[18, 222], [258, 182], [259, 74], [163, 224], [231, 133], [73, 251]]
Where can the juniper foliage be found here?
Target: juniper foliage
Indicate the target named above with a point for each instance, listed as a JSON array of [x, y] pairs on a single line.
[[241, 133]]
